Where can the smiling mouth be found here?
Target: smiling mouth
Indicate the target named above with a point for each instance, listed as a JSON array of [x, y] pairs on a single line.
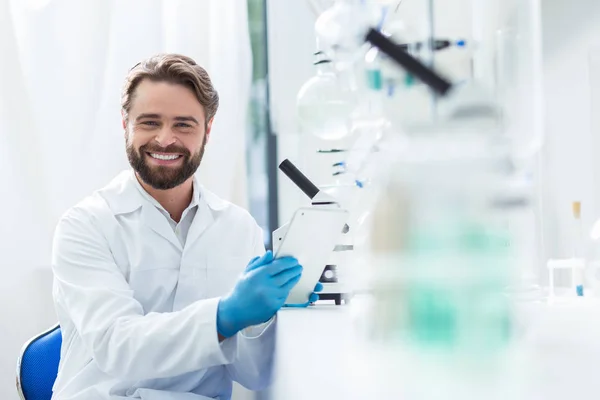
[[164, 157]]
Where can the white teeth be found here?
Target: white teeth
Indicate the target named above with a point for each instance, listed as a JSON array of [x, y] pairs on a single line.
[[164, 157]]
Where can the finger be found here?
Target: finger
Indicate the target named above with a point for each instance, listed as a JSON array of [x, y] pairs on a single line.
[[281, 264], [313, 298], [259, 261], [304, 305], [253, 264], [284, 277], [291, 283], [319, 287]]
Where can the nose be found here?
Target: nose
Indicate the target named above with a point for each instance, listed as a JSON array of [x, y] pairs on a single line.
[[165, 137]]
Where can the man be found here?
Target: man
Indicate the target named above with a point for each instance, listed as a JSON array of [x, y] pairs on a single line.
[[163, 290]]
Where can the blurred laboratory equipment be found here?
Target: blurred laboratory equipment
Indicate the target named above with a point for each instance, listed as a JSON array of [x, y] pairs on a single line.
[[445, 193], [576, 267], [395, 87], [436, 225], [441, 261], [441, 184], [578, 245], [575, 264]]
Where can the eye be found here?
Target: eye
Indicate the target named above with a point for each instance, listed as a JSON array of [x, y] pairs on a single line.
[[150, 123], [182, 125]]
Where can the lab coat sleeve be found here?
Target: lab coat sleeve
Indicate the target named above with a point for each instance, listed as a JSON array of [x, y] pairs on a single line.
[[123, 341], [253, 364]]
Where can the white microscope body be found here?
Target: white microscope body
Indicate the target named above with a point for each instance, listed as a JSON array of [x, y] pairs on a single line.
[[333, 286]]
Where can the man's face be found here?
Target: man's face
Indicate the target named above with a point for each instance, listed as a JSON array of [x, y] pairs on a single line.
[[165, 134]]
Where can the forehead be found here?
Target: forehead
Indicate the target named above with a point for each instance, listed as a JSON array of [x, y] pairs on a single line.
[[166, 99]]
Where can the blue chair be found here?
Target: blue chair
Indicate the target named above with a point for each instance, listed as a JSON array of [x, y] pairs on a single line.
[[37, 366]]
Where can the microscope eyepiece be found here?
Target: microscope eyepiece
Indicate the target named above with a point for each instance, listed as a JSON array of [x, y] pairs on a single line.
[[298, 178]]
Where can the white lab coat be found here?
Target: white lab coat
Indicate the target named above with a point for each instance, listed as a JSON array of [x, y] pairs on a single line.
[[138, 310]]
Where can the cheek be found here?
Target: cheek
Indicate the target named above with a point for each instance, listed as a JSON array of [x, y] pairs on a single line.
[[133, 144], [129, 135], [192, 144], [129, 139], [136, 138]]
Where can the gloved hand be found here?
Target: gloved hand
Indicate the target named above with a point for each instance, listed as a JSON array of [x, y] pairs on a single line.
[[259, 293]]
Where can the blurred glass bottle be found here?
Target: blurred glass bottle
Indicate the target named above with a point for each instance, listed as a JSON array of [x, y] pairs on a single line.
[[440, 263], [509, 63], [510, 31], [442, 254]]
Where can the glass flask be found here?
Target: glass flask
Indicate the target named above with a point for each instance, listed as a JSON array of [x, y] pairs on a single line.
[[324, 104]]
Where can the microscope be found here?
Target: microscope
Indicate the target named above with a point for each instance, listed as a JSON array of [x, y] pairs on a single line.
[[335, 286]]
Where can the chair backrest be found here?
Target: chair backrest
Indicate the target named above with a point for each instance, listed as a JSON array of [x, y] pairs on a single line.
[[37, 366]]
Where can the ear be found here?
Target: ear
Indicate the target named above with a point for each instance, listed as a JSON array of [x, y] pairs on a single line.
[[209, 128], [124, 122]]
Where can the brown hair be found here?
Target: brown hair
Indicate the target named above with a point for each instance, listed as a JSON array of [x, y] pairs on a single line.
[[176, 69]]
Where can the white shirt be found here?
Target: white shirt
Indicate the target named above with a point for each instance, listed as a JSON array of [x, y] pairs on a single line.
[[182, 228], [137, 303]]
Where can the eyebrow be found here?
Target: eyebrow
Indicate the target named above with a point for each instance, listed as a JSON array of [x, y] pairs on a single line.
[[157, 116]]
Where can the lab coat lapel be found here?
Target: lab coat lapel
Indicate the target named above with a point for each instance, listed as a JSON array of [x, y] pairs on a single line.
[[192, 277], [128, 195], [202, 221], [159, 224], [192, 273], [208, 204]]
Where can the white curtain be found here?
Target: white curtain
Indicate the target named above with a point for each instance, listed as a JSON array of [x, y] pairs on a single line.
[[62, 66]]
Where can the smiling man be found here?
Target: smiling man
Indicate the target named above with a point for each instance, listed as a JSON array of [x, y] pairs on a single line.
[[163, 290]]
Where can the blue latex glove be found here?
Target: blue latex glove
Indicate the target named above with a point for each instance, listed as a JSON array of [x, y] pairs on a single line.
[[259, 293]]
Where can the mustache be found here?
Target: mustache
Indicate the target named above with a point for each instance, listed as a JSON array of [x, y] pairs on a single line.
[[172, 148]]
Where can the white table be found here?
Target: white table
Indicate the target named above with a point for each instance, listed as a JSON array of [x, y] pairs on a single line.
[[312, 345], [319, 356]]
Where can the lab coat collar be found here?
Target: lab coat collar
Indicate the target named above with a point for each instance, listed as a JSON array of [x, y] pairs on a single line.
[[124, 197], [213, 201], [208, 205]]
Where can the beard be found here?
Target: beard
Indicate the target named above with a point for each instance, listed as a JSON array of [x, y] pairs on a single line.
[[162, 177]]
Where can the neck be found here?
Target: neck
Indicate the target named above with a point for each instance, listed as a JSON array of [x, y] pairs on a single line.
[[175, 200]]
